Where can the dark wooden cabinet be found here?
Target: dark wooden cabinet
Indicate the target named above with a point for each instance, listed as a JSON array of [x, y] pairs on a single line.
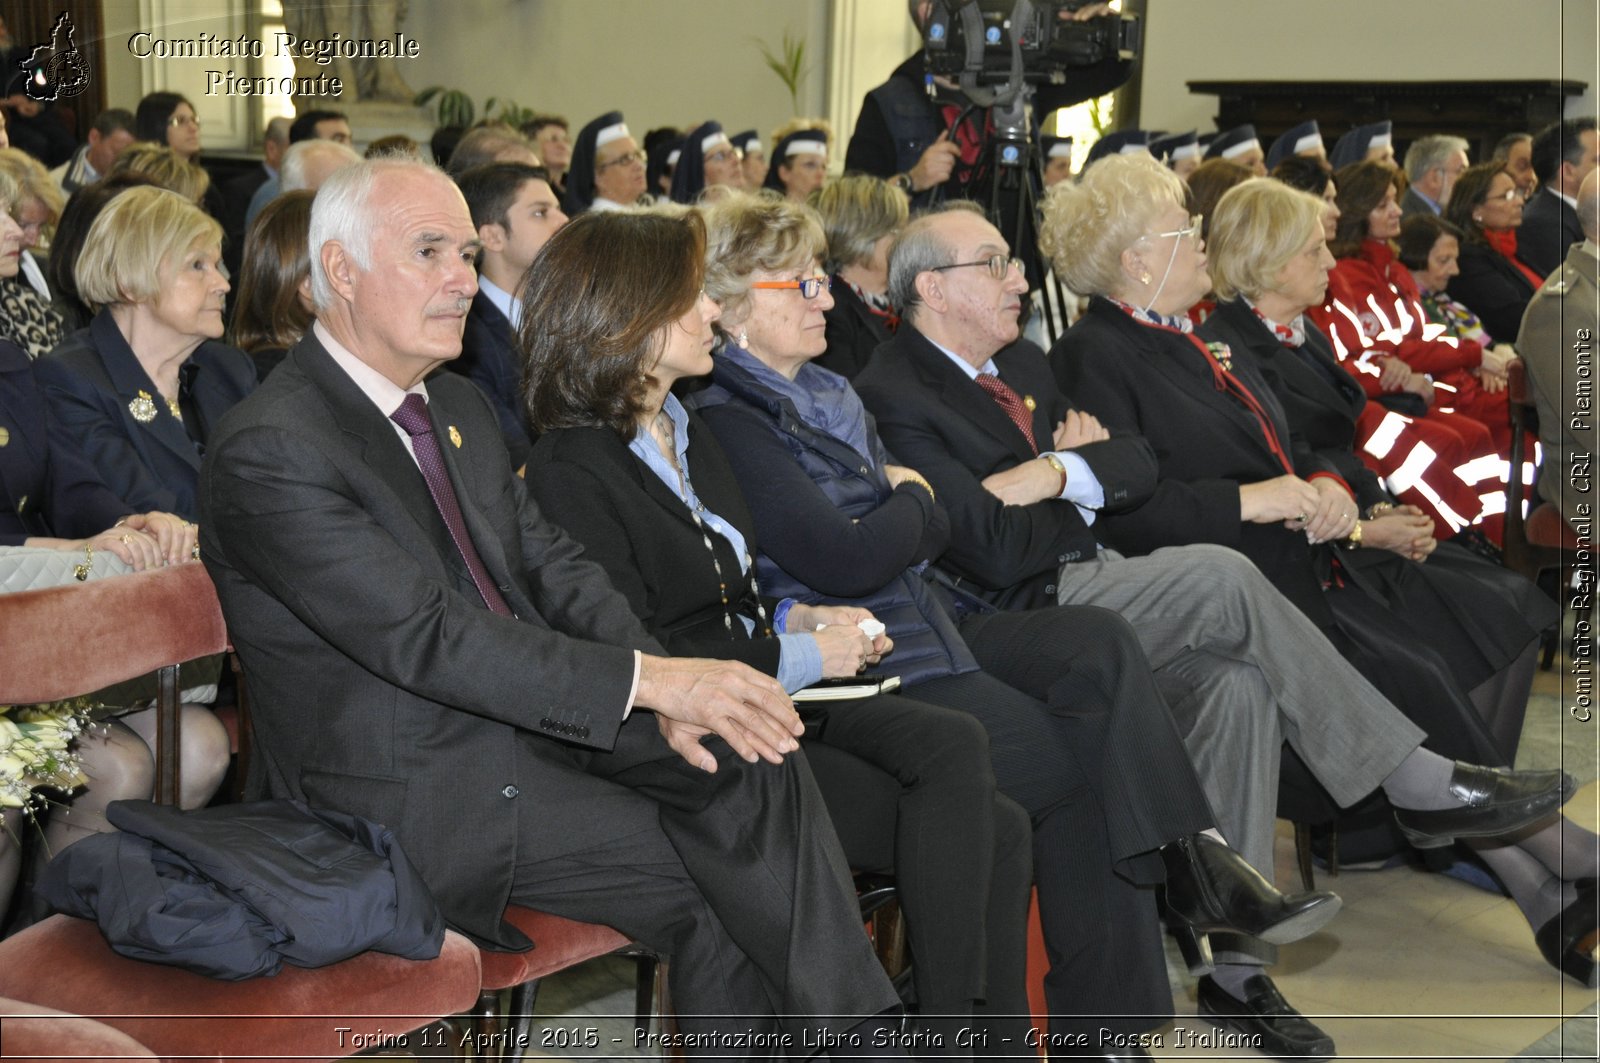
[[1481, 111]]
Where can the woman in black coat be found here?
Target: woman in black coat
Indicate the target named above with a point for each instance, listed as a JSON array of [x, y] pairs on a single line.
[[142, 387], [1494, 284], [1234, 472], [642, 485], [860, 216]]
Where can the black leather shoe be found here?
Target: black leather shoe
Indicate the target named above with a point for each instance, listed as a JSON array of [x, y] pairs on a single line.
[[1211, 887], [1568, 940], [1493, 801], [1280, 1031]]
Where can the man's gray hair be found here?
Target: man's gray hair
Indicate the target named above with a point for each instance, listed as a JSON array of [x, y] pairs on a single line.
[[298, 162], [918, 249], [277, 130], [343, 212], [1431, 153]]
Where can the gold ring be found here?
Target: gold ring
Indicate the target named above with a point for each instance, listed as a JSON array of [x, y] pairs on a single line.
[[1301, 518], [195, 552], [126, 539]]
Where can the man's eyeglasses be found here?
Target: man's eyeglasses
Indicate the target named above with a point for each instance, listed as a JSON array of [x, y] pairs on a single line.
[[1191, 231], [810, 287], [632, 156], [997, 265]]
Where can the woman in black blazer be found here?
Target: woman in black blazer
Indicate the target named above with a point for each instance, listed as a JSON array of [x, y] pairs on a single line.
[[142, 386], [1233, 471], [1494, 284], [860, 216], [614, 318]]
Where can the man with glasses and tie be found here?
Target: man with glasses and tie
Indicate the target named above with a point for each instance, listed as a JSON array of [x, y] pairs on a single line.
[[424, 649]]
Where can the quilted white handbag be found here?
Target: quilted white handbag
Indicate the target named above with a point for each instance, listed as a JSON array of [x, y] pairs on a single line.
[[26, 568]]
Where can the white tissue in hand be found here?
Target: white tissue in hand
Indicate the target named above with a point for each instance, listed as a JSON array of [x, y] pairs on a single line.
[[871, 628]]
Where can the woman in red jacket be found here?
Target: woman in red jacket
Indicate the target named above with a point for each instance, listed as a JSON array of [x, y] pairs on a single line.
[[1380, 332]]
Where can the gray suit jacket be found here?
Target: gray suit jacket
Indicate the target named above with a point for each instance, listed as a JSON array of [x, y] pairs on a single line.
[[381, 685], [1563, 316]]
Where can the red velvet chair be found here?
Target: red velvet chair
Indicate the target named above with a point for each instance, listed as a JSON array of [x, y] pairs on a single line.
[[29, 1032], [1542, 541], [63, 641]]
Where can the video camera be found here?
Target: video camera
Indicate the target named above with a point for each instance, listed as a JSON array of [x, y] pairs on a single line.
[[993, 41]]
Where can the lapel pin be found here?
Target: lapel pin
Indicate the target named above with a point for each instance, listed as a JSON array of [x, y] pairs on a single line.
[[143, 407], [455, 437], [1027, 400], [5, 436]]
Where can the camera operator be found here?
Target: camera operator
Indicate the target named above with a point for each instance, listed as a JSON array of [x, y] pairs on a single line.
[[903, 135]]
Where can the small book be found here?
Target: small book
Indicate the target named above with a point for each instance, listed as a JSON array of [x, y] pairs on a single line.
[[847, 687]]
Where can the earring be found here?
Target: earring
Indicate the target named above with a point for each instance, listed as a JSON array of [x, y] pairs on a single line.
[[1478, 218], [1144, 276], [744, 339]]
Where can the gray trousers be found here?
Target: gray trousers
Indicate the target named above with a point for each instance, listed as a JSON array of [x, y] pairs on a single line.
[[1244, 671]]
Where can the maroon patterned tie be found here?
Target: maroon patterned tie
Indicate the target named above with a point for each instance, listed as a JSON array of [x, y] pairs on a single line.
[[1012, 403], [413, 417]]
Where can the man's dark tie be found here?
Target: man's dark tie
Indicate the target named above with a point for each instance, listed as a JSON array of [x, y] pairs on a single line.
[[413, 417], [1012, 403]]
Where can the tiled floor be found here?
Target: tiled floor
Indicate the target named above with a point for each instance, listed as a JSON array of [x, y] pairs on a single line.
[[1417, 965]]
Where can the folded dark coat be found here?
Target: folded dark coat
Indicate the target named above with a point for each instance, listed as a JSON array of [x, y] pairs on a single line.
[[235, 892]]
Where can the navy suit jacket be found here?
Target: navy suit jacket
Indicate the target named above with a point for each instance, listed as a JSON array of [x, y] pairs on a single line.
[[90, 381], [1549, 227], [47, 487], [489, 358], [939, 422]]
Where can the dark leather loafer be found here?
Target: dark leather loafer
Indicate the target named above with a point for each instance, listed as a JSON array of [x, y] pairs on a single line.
[[1567, 940], [1279, 1030], [1211, 887], [1493, 801]]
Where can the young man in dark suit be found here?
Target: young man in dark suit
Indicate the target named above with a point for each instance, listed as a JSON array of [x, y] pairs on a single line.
[[516, 211], [1024, 476], [426, 650], [1563, 155]]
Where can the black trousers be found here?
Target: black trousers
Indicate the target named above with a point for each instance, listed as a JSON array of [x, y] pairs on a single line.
[[912, 792], [1080, 737], [736, 875]]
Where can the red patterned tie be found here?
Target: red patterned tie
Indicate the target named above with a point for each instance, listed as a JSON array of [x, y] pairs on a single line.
[[413, 417], [1012, 403]]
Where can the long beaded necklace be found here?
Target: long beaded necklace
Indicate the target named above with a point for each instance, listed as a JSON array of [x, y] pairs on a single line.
[[662, 430]]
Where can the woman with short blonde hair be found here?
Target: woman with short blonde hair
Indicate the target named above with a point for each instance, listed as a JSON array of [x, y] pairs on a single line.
[[143, 386], [861, 216], [747, 234], [26, 316], [1266, 224], [166, 168], [1089, 227]]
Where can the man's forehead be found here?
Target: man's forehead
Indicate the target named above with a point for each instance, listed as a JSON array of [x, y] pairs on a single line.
[[419, 200], [970, 232]]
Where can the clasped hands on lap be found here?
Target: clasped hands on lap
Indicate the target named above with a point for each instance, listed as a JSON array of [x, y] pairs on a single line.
[[693, 697]]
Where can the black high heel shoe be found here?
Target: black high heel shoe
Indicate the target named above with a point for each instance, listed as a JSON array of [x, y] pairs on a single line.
[[1568, 940], [1211, 887]]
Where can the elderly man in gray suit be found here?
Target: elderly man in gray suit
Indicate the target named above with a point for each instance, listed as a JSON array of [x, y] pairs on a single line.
[[424, 649], [1557, 344], [976, 411]]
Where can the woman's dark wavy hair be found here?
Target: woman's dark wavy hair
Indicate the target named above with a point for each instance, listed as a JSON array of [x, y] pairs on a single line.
[[1471, 191], [267, 311], [1418, 234], [1303, 172], [595, 306], [155, 111], [1361, 187]]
